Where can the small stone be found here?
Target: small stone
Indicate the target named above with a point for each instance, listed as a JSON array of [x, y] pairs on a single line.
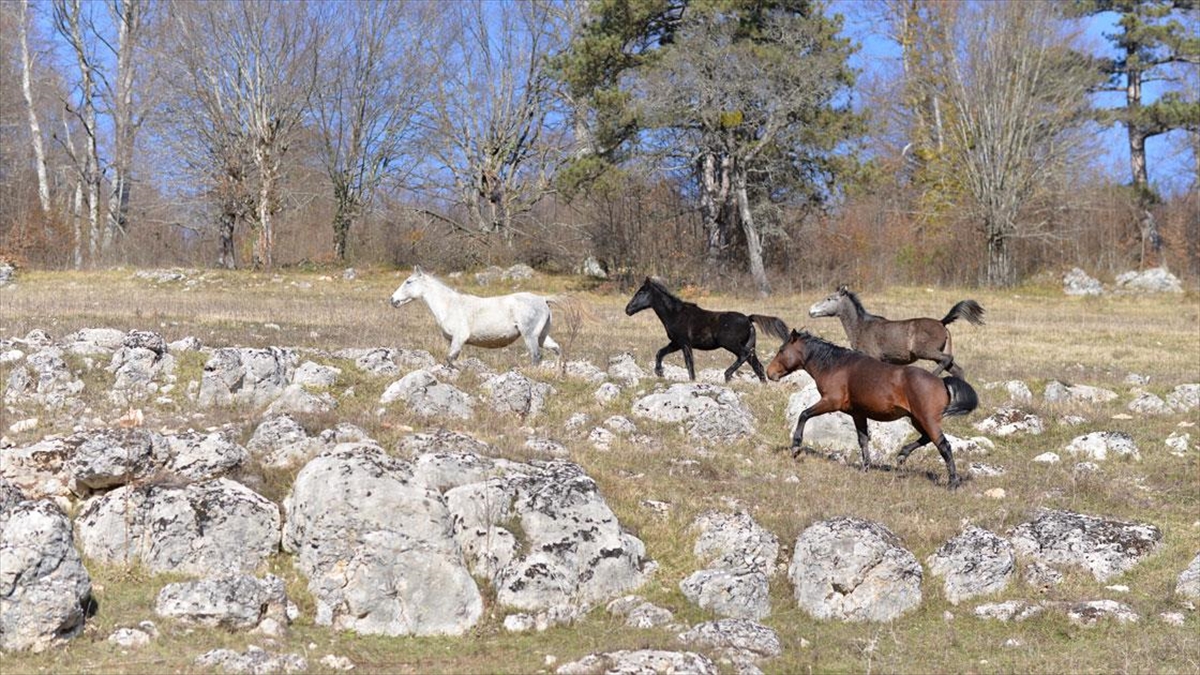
[[337, 662], [995, 493]]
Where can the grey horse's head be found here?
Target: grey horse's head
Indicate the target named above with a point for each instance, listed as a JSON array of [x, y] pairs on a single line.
[[831, 305], [412, 288]]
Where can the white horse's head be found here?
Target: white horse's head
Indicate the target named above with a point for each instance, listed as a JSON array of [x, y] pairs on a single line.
[[412, 288]]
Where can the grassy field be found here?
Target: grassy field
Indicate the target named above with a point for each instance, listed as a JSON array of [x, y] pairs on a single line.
[[1035, 334]]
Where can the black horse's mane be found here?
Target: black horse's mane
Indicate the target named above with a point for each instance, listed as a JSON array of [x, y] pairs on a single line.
[[822, 353], [673, 301]]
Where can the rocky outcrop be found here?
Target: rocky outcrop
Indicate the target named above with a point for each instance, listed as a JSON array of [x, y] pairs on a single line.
[[1099, 445], [43, 379], [514, 393]]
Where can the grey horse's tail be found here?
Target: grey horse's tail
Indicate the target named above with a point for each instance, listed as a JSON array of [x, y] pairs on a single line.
[[965, 309], [772, 325], [963, 398]]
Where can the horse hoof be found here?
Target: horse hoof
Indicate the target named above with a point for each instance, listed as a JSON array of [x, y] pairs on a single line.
[[955, 482]]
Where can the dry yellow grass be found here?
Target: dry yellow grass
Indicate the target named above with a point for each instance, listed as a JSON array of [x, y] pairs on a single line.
[[1033, 334]]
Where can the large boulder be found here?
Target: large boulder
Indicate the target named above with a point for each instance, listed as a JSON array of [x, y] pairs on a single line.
[[1103, 547], [244, 376], [39, 469], [235, 602], [976, 562], [1077, 282], [1156, 280], [202, 455], [854, 570], [138, 366], [640, 662], [1007, 421], [360, 522], [708, 412], [427, 397], [1188, 582], [94, 341], [44, 587], [547, 539], [43, 379], [1099, 445], [741, 641], [740, 557], [110, 458], [280, 441], [1061, 392], [217, 526], [1184, 398], [512, 392]]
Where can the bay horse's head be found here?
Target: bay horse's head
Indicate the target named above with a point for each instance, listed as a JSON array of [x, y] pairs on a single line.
[[642, 299], [790, 357], [412, 288], [830, 306]]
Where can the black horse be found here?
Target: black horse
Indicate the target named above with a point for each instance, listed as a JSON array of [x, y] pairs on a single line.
[[690, 327]]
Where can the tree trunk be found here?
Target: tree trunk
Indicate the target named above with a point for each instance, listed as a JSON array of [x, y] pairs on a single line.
[[1137, 136], [714, 200], [753, 241], [342, 221], [227, 257], [264, 248], [76, 226], [35, 129], [1000, 270]]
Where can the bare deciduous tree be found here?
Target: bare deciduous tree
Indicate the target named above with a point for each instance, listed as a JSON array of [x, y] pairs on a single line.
[[71, 24], [252, 67], [1019, 100], [372, 86], [35, 129], [130, 19], [491, 128]]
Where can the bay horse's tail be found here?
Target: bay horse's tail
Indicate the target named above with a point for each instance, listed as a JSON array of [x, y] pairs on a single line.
[[963, 398], [772, 325], [965, 309]]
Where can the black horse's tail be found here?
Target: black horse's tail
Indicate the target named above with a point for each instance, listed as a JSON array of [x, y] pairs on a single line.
[[773, 325], [965, 309], [963, 398]]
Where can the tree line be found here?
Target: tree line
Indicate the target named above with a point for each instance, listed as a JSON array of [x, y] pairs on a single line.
[[713, 138]]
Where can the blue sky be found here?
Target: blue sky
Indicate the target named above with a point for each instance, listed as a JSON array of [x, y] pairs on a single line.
[[1168, 160]]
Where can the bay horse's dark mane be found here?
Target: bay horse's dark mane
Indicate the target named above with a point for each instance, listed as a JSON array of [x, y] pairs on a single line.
[[674, 303], [821, 353]]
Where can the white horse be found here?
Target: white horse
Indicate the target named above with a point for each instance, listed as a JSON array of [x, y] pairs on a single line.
[[483, 322]]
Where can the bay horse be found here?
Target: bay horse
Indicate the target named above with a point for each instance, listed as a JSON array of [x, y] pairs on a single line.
[[493, 322], [690, 327], [900, 342], [866, 388]]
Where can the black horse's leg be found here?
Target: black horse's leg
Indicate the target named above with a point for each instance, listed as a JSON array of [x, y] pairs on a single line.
[[864, 439], [738, 364], [907, 450], [943, 446], [687, 358], [757, 366], [669, 349]]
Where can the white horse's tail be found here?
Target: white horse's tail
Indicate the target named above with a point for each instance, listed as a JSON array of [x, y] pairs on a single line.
[[572, 314]]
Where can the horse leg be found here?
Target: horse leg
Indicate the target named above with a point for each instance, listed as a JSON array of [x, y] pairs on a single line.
[[687, 358], [534, 347], [819, 408], [943, 447], [758, 367], [456, 345], [907, 449], [864, 439], [738, 364], [669, 349]]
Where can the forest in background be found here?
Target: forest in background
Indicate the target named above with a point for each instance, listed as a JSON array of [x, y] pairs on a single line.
[[728, 143]]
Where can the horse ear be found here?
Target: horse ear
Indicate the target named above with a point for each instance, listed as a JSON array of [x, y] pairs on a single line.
[[417, 270], [843, 289]]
